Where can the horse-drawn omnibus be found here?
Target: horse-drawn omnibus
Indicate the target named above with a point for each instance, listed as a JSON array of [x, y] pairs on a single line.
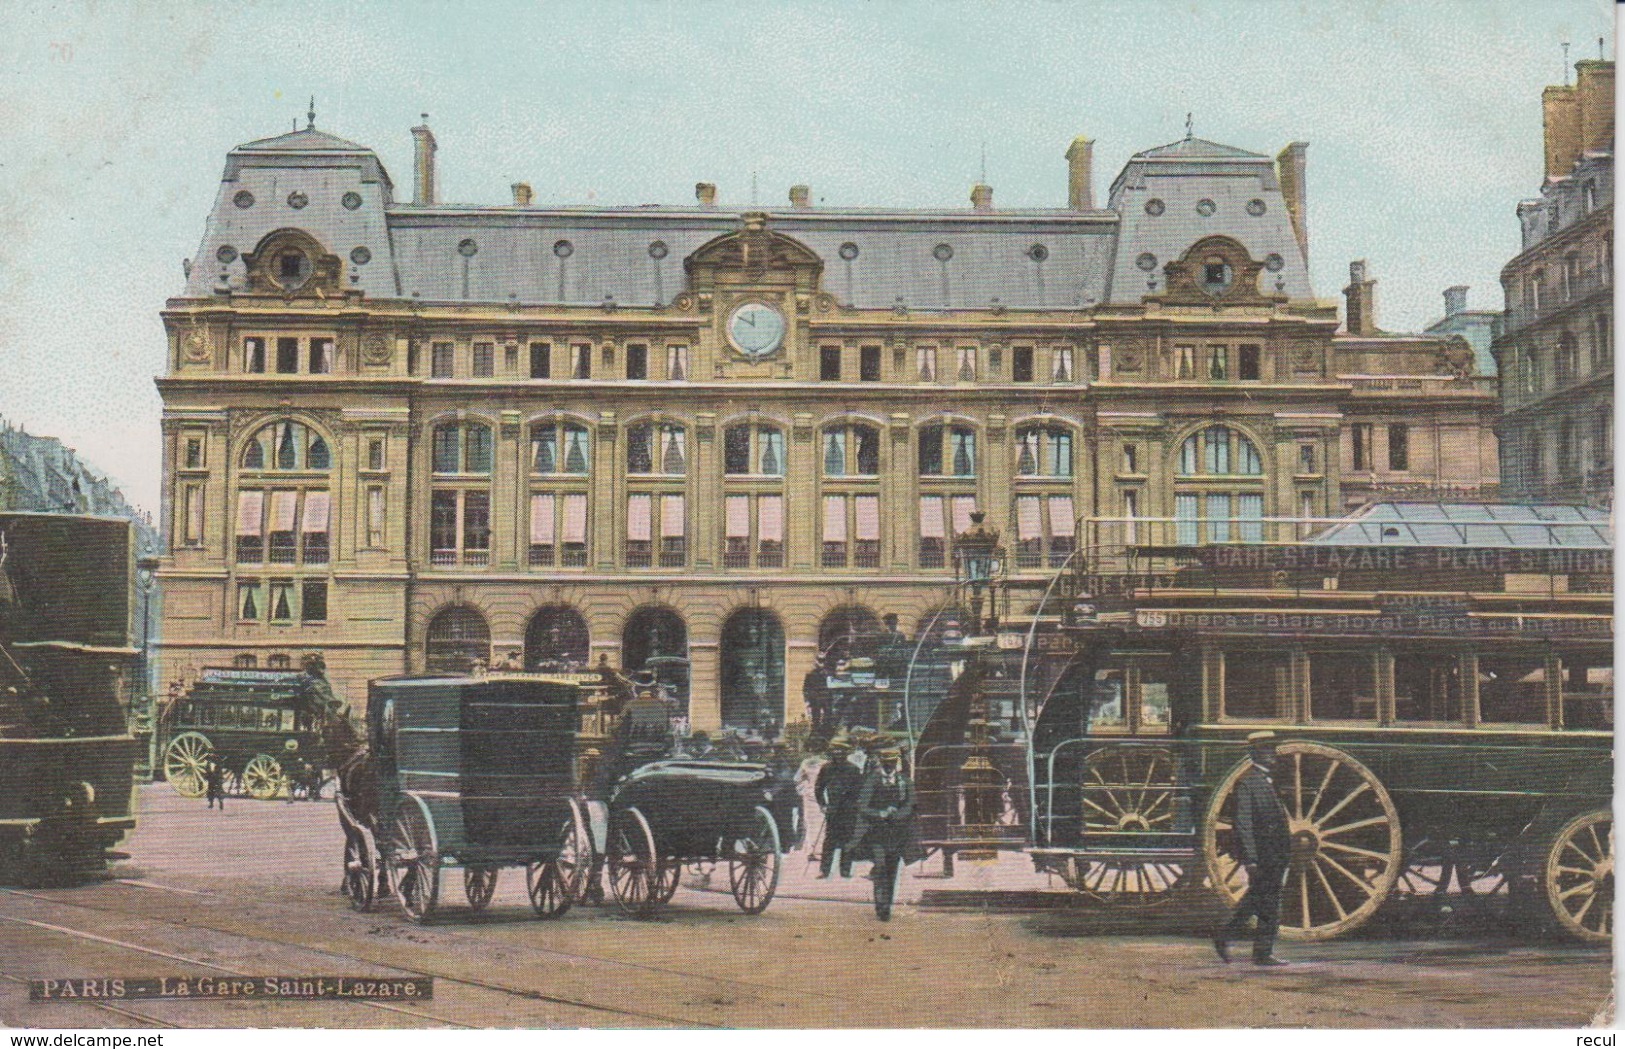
[[1441, 678], [263, 727]]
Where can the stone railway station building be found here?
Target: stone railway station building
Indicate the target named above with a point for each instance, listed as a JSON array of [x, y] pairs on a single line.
[[410, 434]]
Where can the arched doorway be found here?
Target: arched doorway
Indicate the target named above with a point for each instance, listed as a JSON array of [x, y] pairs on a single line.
[[656, 640], [849, 632], [753, 671], [556, 639], [456, 638]]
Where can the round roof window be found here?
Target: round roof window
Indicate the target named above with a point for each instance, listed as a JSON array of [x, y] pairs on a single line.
[[243, 199], [1274, 263], [467, 248], [1206, 207], [1256, 207], [849, 251], [564, 249], [360, 256], [657, 250], [297, 200], [1146, 261], [351, 200], [1038, 253], [1154, 206], [226, 253], [943, 252]]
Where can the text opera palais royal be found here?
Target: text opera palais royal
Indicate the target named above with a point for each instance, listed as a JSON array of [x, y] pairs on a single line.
[[410, 434]]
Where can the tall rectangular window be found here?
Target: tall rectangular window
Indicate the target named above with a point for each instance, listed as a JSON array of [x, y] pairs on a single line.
[[933, 532], [1360, 441], [543, 529], [966, 371], [673, 533], [193, 455], [459, 527], [280, 528], [1021, 364], [254, 355], [1249, 363], [1306, 458], [250, 526], [440, 360], [313, 601], [192, 515], [313, 528], [375, 518], [869, 364], [1063, 365], [829, 364], [581, 361], [770, 531], [1218, 362], [1399, 447], [484, 360], [321, 356], [637, 361], [281, 601], [834, 532], [558, 529], [677, 363], [375, 453], [639, 530], [1184, 362], [926, 359], [541, 360], [573, 552], [287, 356], [510, 359], [1186, 510], [736, 531]]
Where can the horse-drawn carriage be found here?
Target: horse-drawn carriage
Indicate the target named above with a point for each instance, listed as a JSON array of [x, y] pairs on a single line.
[[263, 727]]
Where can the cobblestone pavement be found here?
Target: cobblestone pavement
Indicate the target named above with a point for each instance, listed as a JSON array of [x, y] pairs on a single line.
[[253, 891]]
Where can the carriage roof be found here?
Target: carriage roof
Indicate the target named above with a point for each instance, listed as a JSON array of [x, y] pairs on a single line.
[[446, 726]]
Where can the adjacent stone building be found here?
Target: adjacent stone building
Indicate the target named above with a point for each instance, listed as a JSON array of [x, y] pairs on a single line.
[[1555, 344], [413, 435]]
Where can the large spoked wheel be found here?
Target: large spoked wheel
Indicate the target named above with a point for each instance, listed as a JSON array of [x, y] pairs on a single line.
[[549, 892], [753, 867], [575, 858], [666, 877], [414, 864], [263, 778], [186, 762], [360, 872], [1346, 845], [479, 885], [1128, 791], [633, 865], [1577, 879]]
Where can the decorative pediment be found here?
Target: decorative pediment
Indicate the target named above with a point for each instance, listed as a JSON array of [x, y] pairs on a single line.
[[754, 255], [291, 262], [1215, 270]]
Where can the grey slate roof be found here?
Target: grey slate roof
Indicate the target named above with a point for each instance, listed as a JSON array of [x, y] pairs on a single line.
[[1480, 525], [1025, 260]]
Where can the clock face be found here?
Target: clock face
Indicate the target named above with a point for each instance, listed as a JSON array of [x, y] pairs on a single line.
[[756, 329]]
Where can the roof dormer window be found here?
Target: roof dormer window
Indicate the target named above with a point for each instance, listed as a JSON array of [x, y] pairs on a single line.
[[1216, 275]]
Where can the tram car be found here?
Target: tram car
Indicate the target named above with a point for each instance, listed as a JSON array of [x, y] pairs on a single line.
[[264, 727], [469, 773], [668, 815], [67, 758], [1441, 679]]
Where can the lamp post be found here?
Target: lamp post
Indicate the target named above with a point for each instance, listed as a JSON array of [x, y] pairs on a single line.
[[978, 567], [146, 574]]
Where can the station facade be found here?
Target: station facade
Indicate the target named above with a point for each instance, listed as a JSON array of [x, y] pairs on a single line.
[[411, 435]]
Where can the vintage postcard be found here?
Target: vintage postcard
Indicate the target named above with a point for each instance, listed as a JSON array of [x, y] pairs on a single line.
[[806, 515]]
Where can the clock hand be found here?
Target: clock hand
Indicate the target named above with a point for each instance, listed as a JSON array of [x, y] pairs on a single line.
[[748, 318]]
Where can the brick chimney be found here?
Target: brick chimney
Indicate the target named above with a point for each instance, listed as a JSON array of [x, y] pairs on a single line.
[[1595, 89], [800, 197], [423, 166], [1455, 300], [706, 194], [1361, 296], [1561, 108], [1290, 166], [981, 197], [521, 194], [1080, 160]]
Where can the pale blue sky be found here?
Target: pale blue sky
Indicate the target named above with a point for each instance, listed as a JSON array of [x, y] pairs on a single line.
[[1423, 121]]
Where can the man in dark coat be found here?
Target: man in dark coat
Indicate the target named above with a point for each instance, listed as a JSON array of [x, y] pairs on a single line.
[[815, 693], [836, 791], [214, 781], [1264, 847], [885, 824]]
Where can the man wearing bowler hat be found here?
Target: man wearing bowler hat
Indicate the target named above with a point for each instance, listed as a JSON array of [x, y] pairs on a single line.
[[1264, 847]]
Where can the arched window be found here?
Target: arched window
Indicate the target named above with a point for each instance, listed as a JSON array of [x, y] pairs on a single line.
[[850, 632], [1044, 451], [287, 446], [947, 451], [655, 640], [560, 448], [851, 450], [457, 638], [462, 448], [657, 448], [1219, 450], [752, 651], [556, 640], [753, 449]]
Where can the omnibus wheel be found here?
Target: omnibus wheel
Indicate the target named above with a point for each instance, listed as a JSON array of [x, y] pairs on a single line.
[[262, 777], [479, 885], [186, 762], [1577, 879], [1346, 845], [1127, 791]]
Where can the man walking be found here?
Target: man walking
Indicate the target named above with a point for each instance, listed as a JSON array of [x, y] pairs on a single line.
[[214, 780], [836, 791], [1264, 846], [885, 825], [815, 694]]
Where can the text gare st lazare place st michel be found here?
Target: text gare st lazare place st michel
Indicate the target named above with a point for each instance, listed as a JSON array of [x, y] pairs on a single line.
[[268, 988]]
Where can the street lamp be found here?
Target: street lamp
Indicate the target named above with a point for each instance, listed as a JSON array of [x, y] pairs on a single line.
[[146, 574], [978, 566]]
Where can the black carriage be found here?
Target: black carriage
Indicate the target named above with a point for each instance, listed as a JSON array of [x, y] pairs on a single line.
[[67, 758], [264, 728], [475, 774], [668, 815]]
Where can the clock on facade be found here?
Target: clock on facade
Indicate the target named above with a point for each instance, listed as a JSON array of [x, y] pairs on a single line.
[[756, 329]]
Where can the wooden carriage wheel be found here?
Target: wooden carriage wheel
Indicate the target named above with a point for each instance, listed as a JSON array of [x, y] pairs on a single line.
[[186, 762], [753, 867], [479, 885], [575, 858], [1346, 845], [633, 864], [360, 872], [1577, 878], [414, 862], [667, 875], [262, 777], [1128, 790]]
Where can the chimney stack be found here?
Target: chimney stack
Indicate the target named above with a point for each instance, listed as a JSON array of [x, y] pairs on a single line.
[[423, 169], [1594, 85], [800, 197], [1561, 110], [1455, 300], [521, 194], [1080, 159], [1290, 166], [706, 194], [1361, 295], [981, 197]]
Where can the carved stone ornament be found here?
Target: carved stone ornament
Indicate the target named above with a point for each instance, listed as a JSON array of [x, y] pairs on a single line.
[[754, 255], [1129, 361], [1303, 360], [375, 348], [1188, 283], [291, 262], [195, 346]]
